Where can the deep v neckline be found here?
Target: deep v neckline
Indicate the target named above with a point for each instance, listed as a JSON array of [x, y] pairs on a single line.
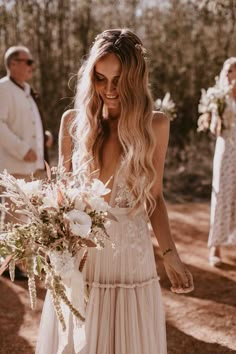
[[113, 177], [113, 187]]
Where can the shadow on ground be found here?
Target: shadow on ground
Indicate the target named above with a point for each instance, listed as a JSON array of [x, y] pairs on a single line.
[[11, 318], [190, 345]]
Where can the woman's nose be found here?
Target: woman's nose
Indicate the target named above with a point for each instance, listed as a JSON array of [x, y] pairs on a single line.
[[109, 87]]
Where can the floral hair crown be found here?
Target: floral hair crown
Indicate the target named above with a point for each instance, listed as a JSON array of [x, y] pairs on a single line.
[[116, 44], [140, 48]]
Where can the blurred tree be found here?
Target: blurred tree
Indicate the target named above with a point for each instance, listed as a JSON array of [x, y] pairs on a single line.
[[186, 41]]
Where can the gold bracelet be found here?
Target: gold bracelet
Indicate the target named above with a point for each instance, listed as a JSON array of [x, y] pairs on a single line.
[[166, 251]]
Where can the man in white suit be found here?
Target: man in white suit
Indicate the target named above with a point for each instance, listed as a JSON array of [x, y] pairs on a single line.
[[23, 142], [22, 137]]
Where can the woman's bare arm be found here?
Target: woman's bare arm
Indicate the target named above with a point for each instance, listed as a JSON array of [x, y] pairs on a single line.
[[180, 277], [159, 218], [65, 140]]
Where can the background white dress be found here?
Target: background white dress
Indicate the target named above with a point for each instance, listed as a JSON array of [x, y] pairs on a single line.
[[124, 314], [223, 199]]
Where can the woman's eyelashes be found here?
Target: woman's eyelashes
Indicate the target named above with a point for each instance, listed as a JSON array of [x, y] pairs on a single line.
[[99, 78], [103, 79]]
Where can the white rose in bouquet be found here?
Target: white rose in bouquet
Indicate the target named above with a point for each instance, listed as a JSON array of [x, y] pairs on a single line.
[[80, 223]]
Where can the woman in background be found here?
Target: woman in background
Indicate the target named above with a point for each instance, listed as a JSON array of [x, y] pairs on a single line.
[[223, 200]]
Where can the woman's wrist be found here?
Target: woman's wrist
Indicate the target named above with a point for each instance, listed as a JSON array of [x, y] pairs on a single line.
[[170, 254]]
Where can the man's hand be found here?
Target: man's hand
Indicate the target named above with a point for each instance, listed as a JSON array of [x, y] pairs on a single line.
[[49, 139], [30, 156]]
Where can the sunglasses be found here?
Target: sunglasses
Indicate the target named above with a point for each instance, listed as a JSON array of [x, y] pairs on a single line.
[[27, 61]]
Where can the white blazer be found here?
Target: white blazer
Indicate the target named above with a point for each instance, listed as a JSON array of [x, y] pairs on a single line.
[[17, 128]]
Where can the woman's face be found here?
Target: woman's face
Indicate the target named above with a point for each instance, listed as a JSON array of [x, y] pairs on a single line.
[[231, 75], [107, 73]]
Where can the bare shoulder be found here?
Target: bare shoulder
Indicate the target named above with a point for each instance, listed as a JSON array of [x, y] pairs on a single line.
[[160, 123], [67, 119]]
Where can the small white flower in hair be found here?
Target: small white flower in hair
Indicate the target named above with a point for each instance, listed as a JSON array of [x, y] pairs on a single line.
[[140, 48]]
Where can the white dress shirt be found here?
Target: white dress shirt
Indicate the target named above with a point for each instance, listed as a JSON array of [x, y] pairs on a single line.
[[20, 129], [39, 134]]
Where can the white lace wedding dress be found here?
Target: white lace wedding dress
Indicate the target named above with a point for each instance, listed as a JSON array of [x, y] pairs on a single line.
[[124, 314], [223, 198]]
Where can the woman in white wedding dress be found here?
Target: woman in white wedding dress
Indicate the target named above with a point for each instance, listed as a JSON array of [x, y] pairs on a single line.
[[223, 198], [116, 132]]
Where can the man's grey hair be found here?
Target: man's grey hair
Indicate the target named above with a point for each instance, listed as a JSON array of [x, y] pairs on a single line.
[[13, 53]]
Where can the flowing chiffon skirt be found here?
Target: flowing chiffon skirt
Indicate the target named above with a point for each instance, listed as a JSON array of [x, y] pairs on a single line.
[[124, 314]]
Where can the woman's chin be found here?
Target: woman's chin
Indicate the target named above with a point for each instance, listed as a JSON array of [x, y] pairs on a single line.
[[114, 104], [113, 110]]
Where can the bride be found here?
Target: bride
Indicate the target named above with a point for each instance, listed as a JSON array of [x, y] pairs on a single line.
[[114, 129]]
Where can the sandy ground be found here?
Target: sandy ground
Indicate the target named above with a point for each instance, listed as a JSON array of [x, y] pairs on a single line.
[[202, 322]]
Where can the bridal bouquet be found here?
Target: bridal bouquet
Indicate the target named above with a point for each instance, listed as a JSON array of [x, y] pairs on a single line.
[[64, 214], [166, 106], [212, 107]]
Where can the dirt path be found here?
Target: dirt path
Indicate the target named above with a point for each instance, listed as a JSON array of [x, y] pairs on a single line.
[[203, 322]]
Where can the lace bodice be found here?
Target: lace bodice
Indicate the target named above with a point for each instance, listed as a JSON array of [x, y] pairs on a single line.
[[121, 196], [134, 224]]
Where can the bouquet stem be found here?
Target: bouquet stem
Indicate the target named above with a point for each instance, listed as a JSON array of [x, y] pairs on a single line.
[[83, 260]]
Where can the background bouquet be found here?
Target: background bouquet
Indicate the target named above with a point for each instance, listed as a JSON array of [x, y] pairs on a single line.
[[212, 107], [167, 106], [64, 214]]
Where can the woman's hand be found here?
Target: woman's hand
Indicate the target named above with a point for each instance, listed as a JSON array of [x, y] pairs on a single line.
[[180, 277]]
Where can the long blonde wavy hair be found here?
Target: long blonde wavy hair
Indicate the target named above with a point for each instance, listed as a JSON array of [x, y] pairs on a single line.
[[135, 121]]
